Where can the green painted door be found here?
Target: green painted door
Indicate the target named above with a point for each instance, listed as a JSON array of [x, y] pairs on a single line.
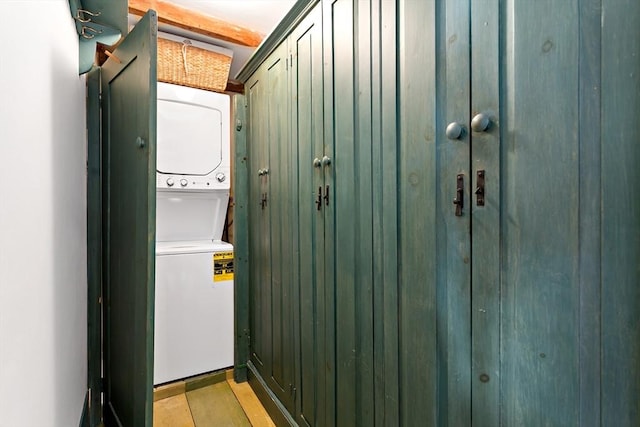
[[129, 156], [547, 319], [434, 245], [511, 312], [308, 143], [258, 220], [281, 191], [271, 210]]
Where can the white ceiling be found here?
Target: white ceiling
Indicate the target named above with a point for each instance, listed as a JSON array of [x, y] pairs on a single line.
[[258, 15]]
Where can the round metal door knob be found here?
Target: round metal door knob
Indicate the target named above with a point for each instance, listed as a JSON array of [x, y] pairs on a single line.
[[326, 161], [480, 122], [454, 130], [170, 182], [317, 162], [183, 182]]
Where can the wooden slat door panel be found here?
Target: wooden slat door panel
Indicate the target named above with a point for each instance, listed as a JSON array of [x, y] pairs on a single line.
[[272, 199], [434, 244], [129, 141], [308, 137], [281, 193], [258, 224], [620, 209], [539, 293]]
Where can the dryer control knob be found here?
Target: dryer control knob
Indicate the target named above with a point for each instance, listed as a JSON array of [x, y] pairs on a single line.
[[221, 177], [184, 182], [170, 182]]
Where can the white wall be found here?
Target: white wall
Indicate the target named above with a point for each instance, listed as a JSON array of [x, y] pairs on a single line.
[[42, 217]]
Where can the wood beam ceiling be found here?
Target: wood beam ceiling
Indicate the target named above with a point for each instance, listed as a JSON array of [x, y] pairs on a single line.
[[177, 16]]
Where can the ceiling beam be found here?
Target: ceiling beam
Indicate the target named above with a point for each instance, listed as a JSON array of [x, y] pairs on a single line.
[[177, 16], [234, 86]]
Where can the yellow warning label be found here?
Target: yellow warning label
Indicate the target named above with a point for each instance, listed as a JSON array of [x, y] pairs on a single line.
[[222, 266]]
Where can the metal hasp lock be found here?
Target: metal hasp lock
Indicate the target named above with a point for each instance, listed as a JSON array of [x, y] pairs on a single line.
[[459, 200], [319, 201], [263, 201], [480, 188], [326, 195]]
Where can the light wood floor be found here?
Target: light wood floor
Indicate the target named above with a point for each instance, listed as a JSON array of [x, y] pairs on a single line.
[[222, 404]]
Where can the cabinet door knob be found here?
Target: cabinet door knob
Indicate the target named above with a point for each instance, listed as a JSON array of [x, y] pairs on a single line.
[[317, 162], [454, 130], [480, 122], [326, 161]]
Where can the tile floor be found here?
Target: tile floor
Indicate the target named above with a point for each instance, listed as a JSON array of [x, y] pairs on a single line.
[[222, 404]]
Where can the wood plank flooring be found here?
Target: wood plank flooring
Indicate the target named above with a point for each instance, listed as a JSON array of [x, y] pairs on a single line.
[[222, 404]]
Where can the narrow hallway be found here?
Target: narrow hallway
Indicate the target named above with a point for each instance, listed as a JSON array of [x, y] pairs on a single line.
[[208, 401]]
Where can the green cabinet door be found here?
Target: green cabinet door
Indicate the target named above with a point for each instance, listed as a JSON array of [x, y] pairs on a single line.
[[281, 191], [308, 146], [129, 168], [523, 300], [434, 245], [271, 210], [526, 284], [259, 274]]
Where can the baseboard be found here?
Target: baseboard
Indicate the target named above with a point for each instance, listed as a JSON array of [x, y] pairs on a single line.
[[193, 383], [271, 403]]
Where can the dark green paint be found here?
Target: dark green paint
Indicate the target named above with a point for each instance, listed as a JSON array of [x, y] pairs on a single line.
[[276, 38], [519, 312], [485, 292], [620, 209], [277, 412], [271, 236], [418, 244], [345, 210], [241, 237], [129, 117], [362, 222], [94, 249], [308, 137], [590, 215]]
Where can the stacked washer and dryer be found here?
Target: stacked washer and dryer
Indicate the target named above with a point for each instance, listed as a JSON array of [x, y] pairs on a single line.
[[194, 267]]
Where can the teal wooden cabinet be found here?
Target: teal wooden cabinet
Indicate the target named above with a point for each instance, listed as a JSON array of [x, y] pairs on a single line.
[[475, 261]]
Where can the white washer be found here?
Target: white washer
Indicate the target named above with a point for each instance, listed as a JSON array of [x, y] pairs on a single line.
[[194, 267], [194, 310]]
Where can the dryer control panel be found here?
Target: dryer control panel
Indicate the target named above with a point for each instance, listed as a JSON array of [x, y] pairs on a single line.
[[218, 181]]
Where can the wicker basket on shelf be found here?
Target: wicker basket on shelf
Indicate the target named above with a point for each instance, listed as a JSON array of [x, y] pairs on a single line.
[[181, 62]]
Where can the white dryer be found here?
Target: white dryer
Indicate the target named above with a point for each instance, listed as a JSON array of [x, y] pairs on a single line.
[[194, 267]]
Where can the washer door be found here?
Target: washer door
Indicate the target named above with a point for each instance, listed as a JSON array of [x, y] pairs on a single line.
[[189, 138]]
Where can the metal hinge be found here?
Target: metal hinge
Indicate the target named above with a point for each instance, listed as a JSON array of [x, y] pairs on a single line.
[[292, 391]]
